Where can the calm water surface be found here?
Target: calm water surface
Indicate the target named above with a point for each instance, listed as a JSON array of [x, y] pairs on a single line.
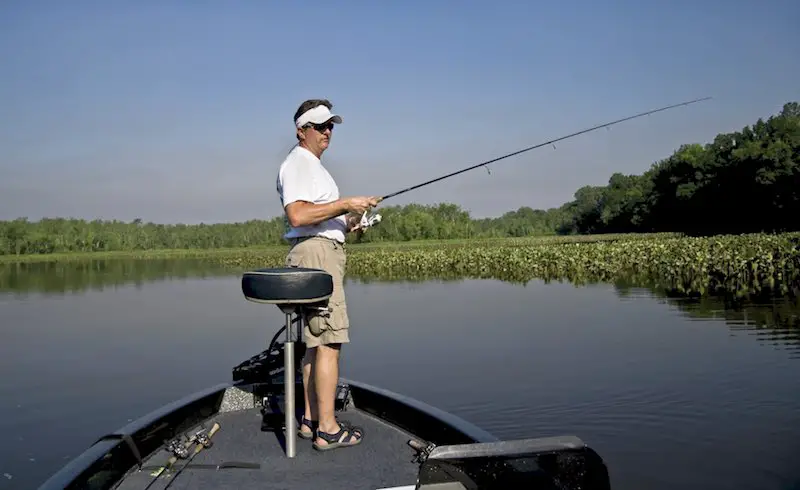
[[671, 394]]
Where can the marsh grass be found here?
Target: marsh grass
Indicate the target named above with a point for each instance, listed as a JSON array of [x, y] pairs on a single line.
[[730, 264]]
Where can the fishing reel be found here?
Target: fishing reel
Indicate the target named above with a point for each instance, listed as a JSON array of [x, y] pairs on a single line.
[[368, 221], [179, 448]]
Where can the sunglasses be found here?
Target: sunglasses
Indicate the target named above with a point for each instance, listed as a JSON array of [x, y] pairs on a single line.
[[321, 127]]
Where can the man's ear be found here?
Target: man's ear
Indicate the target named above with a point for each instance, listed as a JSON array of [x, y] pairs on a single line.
[[301, 134]]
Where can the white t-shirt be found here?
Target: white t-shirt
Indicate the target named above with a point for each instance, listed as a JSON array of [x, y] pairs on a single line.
[[302, 177]]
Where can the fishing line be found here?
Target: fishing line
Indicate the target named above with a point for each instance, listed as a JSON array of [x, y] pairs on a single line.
[[551, 142]]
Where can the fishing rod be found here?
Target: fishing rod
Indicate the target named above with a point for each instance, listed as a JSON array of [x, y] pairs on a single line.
[[483, 164]]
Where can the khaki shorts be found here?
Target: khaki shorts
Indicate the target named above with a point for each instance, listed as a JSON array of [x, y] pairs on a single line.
[[321, 328]]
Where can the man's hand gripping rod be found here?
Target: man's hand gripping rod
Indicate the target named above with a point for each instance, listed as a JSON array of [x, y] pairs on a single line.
[[371, 220]]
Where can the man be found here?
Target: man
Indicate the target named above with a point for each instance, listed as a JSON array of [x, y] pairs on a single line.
[[319, 221]]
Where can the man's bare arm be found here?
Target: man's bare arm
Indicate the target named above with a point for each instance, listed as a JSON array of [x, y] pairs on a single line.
[[304, 213]]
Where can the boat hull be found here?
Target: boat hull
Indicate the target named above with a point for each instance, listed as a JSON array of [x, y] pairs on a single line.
[[408, 443], [114, 455]]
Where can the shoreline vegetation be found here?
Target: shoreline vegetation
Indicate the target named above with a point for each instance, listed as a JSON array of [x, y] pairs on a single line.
[[713, 218], [775, 319], [731, 265]]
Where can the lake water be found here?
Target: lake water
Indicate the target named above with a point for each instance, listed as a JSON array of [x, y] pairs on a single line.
[[671, 394]]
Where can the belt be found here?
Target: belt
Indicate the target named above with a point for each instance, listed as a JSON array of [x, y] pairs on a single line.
[[295, 241]]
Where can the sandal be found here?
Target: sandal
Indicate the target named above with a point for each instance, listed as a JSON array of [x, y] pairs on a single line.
[[311, 424], [354, 437]]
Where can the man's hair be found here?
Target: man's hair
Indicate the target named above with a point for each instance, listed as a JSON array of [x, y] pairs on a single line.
[[310, 104]]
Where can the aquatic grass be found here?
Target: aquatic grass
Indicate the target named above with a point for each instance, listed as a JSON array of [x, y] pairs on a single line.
[[740, 264], [730, 264], [274, 250]]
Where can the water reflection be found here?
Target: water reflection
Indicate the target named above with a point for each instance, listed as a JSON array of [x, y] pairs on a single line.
[[776, 323], [79, 276], [772, 321]]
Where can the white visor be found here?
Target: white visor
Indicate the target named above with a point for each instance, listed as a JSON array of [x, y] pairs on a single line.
[[317, 115]]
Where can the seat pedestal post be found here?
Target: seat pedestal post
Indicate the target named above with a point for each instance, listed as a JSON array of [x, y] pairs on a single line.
[[289, 385]]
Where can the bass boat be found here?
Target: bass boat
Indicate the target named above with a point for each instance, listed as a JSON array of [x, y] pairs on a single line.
[[244, 434]]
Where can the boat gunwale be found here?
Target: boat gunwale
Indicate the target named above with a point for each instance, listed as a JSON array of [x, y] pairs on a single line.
[[452, 429], [110, 453]]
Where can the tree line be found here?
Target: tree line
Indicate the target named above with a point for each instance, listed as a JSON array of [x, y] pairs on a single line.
[[744, 181]]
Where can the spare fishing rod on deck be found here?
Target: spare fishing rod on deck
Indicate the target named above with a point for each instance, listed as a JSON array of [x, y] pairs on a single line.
[[367, 221]]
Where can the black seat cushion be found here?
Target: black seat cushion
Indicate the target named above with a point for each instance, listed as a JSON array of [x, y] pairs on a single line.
[[287, 285]]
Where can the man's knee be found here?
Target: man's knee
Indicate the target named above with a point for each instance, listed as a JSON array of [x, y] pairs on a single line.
[[328, 352]]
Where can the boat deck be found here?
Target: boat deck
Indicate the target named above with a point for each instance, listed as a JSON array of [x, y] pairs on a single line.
[[382, 460]]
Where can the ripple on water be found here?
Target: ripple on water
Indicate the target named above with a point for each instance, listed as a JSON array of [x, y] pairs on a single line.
[[637, 429]]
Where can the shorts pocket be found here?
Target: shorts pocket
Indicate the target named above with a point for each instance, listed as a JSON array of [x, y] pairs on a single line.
[[318, 321], [321, 321]]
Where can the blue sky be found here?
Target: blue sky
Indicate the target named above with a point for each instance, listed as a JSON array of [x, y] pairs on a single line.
[[181, 111]]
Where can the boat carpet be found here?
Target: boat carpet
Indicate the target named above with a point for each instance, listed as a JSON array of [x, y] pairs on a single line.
[[382, 460]]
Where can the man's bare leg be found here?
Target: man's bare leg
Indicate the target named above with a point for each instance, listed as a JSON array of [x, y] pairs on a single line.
[[310, 412], [326, 377]]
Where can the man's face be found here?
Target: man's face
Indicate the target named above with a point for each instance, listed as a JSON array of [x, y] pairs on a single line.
[[318, 136]]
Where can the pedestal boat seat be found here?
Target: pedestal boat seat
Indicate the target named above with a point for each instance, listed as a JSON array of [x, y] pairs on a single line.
[[293, 290], [287, 287]]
